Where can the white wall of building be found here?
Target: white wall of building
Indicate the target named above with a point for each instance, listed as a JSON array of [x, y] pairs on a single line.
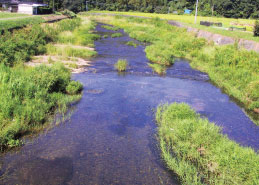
[[25, 8]]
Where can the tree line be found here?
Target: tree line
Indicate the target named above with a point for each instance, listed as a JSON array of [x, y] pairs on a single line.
[[226, 8]]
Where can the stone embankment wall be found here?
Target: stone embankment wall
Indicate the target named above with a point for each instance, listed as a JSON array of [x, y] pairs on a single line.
[[219, 39]]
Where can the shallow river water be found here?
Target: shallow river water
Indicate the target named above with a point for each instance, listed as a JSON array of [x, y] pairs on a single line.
[[111, 135]]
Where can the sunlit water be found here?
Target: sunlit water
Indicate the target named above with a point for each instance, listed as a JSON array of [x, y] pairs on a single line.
[[111, 136]]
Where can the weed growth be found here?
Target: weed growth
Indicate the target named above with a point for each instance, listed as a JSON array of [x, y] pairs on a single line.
[[116, 35], [28, 97], [198, 153], [132, 43], [121, 65], [230, 68], [110, 28], [74, 88], [159, 69]]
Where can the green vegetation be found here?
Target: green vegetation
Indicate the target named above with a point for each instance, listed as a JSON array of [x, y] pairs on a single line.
[[110, 28], [256, 29], [28, 97], [69, 51], [226, 8], [105, 36], [230, 68], [188, 20], [74, 88], [132, 43], [20, 46], [116, 35], [198, 153], [121, 65], [19, 22], [80, 34], [159, 69], [4, 15]]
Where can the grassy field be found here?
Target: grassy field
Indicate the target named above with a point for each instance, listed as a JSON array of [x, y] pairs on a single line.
[[20, 22], [234, 70], [11, 15], [188, 20], [31, 95], [199, 153]]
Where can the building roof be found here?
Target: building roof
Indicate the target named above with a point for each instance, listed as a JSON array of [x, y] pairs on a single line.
[[21, 2]]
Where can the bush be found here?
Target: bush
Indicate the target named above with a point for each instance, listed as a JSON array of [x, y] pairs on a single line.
[[121, 65], [256, 29], [69, 13], [74, 88], [18, 47]]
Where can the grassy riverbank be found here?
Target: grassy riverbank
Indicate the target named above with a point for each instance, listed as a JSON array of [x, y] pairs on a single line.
[[198, 153], [20, 22], [230, 68], [31, 95], [188, 20]]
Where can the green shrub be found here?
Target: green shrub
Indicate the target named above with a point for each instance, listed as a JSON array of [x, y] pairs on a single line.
[[256, 29], [199, 153], [20, 46], [68, 13], [74, 88], [121, 65]]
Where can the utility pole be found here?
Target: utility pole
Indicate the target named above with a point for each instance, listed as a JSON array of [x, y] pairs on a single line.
[[53, 6], [196, 12], [86, 5]]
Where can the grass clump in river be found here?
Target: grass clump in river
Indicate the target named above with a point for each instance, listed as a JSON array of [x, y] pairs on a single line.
[[69, 51], [29, 96], [121, 65], [199, 153], [233, 69], [110, 28], [116, 35], [159, 69], [132, 43]]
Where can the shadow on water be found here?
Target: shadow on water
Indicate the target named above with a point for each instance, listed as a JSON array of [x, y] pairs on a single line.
[[111, 136]]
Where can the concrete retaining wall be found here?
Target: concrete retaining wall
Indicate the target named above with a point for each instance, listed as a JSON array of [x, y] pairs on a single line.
[[219, 39]]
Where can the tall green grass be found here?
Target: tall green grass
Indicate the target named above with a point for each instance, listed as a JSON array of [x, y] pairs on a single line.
[[68, 51], [188, 20], [21, 45], [121, 65], [229, 67], [114, 35], [198, 153], [81, 35], [110, 28], [159, 69], [20, 22], [28, 97]]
